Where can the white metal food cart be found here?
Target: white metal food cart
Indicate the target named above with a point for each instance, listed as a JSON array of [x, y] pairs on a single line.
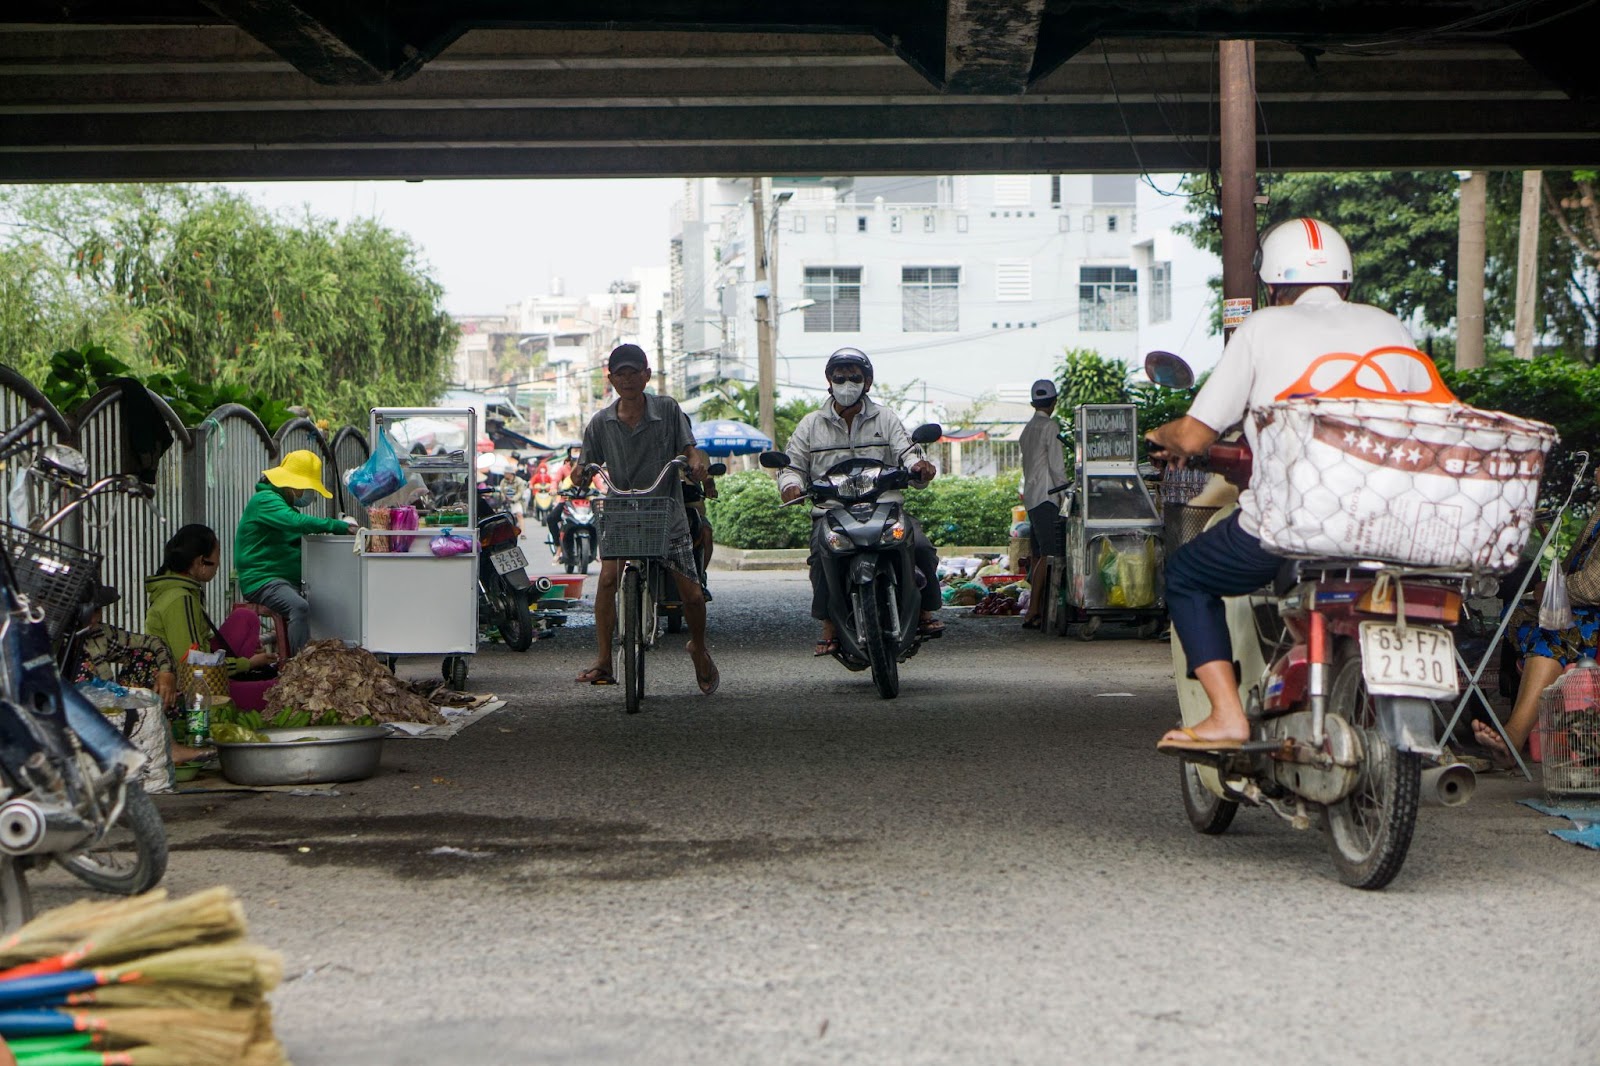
[[384, 589]]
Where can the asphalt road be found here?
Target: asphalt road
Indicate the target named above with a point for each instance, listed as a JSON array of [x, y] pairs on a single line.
[[994, 868]]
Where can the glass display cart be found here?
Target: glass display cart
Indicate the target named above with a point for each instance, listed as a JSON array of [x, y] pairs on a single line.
[[1114, 548], [384, 588]]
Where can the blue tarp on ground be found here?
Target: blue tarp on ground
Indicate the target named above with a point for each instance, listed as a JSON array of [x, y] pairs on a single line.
[[1585, 819]]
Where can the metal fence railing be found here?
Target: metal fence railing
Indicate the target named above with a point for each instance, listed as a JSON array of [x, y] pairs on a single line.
[[207, 476]]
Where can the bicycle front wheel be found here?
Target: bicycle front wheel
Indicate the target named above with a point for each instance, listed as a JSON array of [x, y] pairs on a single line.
[[633, 638]]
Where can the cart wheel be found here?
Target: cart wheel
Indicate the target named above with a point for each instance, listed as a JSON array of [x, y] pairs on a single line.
[[1089, 628], [389, 662], [454, 669], [1151, 629]]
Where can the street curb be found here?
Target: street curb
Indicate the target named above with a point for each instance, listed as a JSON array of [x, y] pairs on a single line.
[[726, 558]]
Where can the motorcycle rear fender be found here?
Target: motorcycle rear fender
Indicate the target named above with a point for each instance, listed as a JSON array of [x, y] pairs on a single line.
[[1406, 722]]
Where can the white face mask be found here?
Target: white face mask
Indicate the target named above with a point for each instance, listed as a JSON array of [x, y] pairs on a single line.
[[847, 393]]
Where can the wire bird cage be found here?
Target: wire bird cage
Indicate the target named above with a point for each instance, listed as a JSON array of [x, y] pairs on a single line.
[[1180, 521], [1569, 732], [54, 575], [634, 527]]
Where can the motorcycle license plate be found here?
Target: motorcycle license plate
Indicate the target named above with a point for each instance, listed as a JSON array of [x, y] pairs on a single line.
[[1420, 663], [510, 559]]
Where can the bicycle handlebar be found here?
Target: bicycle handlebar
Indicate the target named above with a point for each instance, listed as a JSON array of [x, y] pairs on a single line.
[[115, 483], [8, 443], [678, 462]]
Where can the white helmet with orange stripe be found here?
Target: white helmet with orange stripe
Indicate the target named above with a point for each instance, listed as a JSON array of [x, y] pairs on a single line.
[[1303, 251]]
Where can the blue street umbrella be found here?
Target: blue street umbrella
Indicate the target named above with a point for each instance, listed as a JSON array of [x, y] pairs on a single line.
[[729, 438]]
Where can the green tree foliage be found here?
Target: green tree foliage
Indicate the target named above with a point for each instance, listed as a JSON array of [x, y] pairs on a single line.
[[1085, 376], [183, 280], [739, 401], [76, 374], [1569, 253], [970, 511], [1402, 227], [746, 514]]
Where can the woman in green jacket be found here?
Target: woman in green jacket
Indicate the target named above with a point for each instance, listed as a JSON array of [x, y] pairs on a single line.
[[266, 549], [177, 611]]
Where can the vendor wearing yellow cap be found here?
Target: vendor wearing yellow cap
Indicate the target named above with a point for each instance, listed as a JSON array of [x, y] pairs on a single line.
[[266, 548]]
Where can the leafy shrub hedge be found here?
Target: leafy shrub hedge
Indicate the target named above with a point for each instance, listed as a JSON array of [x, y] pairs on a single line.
[[953, 510]]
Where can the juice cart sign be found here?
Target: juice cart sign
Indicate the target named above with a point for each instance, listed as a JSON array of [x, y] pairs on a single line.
[[1108, 433]]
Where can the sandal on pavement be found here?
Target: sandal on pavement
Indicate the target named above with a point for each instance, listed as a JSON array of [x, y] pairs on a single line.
[[826, 647], [596, 675], [931, 628]]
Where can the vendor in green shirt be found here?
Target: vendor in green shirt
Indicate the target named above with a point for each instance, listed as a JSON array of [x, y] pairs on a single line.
[[266, 548]]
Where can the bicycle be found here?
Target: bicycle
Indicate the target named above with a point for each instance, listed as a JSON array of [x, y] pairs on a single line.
[[636, 529]]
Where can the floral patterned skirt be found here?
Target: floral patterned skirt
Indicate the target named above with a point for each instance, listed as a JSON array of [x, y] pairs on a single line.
[[1566, 646]]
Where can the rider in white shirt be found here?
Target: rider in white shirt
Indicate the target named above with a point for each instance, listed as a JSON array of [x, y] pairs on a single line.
[[1306, 267]]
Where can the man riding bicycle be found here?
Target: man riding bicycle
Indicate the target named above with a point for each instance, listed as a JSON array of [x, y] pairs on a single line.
[[1306, 268], [634, 439]]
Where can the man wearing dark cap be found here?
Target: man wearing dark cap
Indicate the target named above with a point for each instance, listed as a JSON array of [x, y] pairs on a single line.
[[634, 439], [1043, 468]]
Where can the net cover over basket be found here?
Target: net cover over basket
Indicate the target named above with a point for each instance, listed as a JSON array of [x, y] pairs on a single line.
[[634, 527], [1569, 732], [1420, 484], [54, 575]]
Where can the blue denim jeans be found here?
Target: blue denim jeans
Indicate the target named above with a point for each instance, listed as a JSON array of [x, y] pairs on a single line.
[[1222, 561]]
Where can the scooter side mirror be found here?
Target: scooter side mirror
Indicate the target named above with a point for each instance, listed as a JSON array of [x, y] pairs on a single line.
[[927, 434], [717, 469], [1168, 370], [774, 460]]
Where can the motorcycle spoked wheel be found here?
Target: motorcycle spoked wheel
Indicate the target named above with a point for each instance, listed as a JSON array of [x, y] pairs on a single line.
[[871, 612], [133, 856], [1369, 831], [1208, 812], [517, 627]]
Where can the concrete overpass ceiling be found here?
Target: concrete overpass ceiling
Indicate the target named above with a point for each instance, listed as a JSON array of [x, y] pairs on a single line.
[[242, 89]]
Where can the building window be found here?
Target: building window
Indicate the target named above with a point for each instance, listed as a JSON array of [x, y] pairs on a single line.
[[930, 299], [1111, 223], [1108, 299], [1064, 223], [928, 224], [837, 292], [895, 223], [1088, 223], [1055, 190], [1012, 190], [830, 224], [1013, 279], [961, 223], [799, 223], [861, 223], [1161, 291]]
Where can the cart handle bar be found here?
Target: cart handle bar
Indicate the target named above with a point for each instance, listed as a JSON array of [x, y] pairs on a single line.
[[678, 462]]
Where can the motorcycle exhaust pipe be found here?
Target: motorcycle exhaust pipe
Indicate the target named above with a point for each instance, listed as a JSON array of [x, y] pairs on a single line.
[[26, 829], [1449, 786], [541, 583]]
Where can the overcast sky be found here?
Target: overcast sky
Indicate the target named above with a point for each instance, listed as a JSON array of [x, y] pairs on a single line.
[[491, 243]]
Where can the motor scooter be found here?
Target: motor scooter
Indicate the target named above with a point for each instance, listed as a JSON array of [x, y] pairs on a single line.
[[505, 592], [1338, 665], [868, 561], [576, 548]]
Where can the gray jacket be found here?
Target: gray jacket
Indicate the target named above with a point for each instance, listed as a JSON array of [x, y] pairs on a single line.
[[822, 440]]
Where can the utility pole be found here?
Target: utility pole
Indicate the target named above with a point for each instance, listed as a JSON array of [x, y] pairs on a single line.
[[766, 359], [1528, 261], [1472, 248], [661, 355], [1237, 200]]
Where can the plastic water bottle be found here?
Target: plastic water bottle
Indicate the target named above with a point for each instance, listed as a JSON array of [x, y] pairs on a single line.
[[198, 721]]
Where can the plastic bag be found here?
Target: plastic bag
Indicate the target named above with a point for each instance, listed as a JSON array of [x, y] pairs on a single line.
[[1555, 607], [1136, 574], [450, 543], [379, 476]]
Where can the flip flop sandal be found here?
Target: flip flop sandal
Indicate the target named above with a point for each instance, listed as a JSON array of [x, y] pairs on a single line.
[[595, 676], [1196, 742], [708, 687], [825, 647], [930, 629]]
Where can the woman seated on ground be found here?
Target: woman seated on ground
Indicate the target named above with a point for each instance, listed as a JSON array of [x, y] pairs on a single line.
[[1547, 652], [177, 612]]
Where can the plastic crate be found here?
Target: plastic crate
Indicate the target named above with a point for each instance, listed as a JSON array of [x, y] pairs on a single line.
[[634, 527], [54, 575]]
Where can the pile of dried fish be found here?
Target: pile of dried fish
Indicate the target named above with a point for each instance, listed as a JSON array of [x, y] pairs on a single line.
[[327, 676]]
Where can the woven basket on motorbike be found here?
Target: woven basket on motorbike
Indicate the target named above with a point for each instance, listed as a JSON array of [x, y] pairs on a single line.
[[633, 527], [54, 575]]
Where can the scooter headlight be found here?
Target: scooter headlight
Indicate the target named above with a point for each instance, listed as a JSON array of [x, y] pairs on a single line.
[[836, 540], [893, 533]]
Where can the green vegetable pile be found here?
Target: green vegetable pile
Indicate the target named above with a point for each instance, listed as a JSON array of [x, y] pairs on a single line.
[[230, 725]]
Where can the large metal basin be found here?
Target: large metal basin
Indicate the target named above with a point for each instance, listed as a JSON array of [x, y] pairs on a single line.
[[339, 753]]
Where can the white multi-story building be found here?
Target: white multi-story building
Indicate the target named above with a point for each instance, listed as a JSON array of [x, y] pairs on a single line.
[[973, 286]]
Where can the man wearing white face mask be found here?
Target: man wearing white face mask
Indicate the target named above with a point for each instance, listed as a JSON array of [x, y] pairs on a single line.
[[849, 426]]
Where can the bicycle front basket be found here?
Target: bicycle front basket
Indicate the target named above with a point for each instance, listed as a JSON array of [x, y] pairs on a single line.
[[54, 575], [634, 527]]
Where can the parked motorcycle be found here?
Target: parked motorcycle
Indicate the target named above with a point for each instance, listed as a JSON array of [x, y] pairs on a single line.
[[868, 562], [1338, 664], [505, 592], [577, 546], [667, 605], [66, 774]]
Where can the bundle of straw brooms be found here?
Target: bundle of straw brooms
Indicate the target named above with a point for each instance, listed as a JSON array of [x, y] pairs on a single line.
[[144, 981]]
